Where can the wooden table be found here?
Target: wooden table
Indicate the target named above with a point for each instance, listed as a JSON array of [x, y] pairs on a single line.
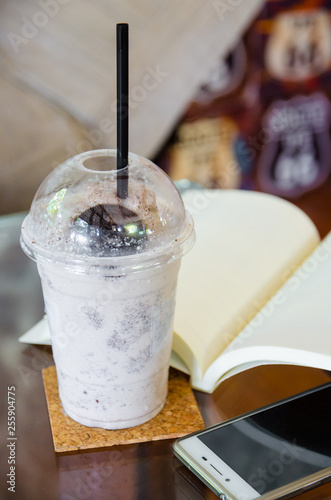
[[126, 472]]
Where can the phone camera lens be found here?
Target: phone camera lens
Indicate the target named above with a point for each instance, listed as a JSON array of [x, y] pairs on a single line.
[[204, 458]]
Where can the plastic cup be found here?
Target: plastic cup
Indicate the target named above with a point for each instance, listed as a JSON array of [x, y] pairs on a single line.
[[109, 299]]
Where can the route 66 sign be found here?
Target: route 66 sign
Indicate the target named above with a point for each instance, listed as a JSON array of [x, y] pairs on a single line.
[[296, 156], [299, 46]]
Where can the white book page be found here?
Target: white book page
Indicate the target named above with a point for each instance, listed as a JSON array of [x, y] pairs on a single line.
[[247, 245], [294, 327]]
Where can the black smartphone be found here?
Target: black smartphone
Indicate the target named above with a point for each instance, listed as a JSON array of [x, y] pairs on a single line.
[[272, 453]]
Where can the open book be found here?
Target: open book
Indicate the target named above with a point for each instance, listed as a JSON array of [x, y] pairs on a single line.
[[255, 289]]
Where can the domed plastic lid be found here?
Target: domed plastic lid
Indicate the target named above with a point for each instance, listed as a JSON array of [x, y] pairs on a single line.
[[76, 214]]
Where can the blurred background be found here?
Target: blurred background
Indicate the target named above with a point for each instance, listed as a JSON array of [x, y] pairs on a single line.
[[225, 93]]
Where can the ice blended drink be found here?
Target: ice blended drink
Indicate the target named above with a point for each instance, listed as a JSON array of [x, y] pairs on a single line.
[[108, 268]]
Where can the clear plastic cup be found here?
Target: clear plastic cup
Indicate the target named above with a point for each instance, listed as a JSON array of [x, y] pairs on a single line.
[[108, 268]]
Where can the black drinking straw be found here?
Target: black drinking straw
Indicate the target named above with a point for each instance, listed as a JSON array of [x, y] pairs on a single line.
[[122, 65]]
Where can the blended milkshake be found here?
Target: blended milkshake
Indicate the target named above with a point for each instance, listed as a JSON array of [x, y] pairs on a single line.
[[109, 270]]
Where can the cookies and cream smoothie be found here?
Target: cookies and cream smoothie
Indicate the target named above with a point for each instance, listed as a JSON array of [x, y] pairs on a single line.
[[108, 268]]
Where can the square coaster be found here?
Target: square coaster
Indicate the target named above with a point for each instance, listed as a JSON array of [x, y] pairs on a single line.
[[180, 416]]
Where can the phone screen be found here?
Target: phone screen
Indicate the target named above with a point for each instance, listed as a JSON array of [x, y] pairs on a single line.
[[278, 445]]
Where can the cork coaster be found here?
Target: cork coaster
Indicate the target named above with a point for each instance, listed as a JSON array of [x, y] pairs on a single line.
[[179, 417]]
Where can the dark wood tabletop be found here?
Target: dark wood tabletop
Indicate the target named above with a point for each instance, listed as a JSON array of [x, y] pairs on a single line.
[[144, 471]]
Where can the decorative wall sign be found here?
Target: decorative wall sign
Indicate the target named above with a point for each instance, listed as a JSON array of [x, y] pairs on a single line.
[[296, 156]]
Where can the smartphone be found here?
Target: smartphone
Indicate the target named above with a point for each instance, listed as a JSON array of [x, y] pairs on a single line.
[[271, 453]]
